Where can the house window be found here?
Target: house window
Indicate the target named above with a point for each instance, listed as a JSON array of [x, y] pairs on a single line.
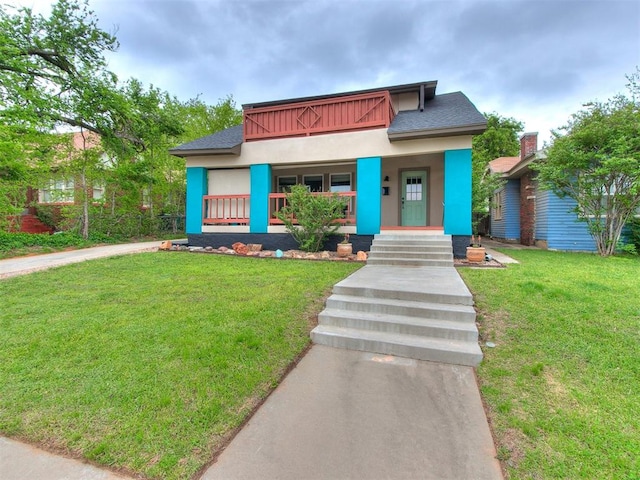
[[58, 191], [340, 182], [314, 183], [414, 189], [498, 203], [98, 191], [285, 183]]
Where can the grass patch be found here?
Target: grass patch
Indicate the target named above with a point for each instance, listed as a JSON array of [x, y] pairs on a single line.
[[562, 384], [145, 362]]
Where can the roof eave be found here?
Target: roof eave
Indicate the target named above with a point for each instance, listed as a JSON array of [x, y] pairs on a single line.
[[438, 132], [198, 152], [430, 87]]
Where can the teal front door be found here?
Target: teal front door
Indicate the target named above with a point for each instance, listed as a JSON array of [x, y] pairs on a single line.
[[413, 203]]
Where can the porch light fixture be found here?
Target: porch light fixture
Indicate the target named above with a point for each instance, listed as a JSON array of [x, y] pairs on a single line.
[[385, 190]]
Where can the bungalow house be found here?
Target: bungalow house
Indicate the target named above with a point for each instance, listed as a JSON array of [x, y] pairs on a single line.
[[60, 189], [523, 213], [400, 154]]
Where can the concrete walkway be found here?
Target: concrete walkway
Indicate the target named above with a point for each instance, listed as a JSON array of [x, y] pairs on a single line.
[[19, 461], [343, 414], [11, 267]]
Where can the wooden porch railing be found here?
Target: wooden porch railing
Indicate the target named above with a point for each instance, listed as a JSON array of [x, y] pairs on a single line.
[[354, 112], [279, 200], [225, 209]]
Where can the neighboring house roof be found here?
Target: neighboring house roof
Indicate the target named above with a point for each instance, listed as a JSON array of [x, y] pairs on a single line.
[[219, 143], [503, 164], [447, 114]]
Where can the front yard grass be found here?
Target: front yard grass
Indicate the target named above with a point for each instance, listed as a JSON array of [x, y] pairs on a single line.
[[146, 362], [562, 385]]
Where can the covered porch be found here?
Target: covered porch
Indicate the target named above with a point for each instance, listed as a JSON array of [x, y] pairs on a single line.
[[419, 192]]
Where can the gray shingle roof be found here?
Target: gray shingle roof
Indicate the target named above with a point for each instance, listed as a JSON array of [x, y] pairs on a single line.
[[443, 112], [224, 140], [450, 113]]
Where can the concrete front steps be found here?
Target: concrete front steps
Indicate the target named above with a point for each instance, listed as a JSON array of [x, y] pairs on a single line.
[[411, 250], [410, 310]]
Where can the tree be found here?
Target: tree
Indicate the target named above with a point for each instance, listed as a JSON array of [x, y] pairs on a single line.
[[500, 139], [597, 164]]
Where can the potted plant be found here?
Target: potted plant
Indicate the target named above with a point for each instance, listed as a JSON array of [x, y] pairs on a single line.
[[344, 247], [475, 251]]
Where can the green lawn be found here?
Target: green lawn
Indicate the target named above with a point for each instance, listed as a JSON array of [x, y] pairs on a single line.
[[145, 362], [562, 385]]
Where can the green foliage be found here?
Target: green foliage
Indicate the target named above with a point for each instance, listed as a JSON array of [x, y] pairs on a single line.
[[597, 164], [16, 241], [634, 232], [500, 139], [566, 331], [311, 218]]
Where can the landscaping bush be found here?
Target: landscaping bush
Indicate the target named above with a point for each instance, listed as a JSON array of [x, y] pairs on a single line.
[[16, 241], [311, 218]]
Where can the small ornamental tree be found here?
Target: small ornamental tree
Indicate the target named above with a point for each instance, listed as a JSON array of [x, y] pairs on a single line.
[[597, 164], [311, 218]]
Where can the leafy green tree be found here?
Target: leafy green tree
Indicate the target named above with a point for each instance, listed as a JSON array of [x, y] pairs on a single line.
[[311, 218], [500, 139], [596, 162]]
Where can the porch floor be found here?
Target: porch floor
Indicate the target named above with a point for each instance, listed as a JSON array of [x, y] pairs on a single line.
[[411, 230]]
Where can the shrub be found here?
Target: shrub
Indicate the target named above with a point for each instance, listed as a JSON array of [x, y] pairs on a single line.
[[311, 218]]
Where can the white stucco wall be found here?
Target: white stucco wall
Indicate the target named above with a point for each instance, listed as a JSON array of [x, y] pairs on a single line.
[[229, 182], [334, 147]]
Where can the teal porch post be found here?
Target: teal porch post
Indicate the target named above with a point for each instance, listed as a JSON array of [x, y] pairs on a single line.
[[368, 195], [196, 189], [457, 192], [260, 189]]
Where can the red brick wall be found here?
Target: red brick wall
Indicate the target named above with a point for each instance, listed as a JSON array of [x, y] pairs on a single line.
[[528, 144]]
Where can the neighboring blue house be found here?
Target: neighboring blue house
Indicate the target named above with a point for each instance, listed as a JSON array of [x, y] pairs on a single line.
[[523, 213], [400, 155]]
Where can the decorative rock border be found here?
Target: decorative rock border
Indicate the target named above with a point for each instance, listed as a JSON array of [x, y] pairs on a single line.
[[255, 250]]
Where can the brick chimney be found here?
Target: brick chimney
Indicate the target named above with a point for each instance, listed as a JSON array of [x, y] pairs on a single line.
[[528, 144]]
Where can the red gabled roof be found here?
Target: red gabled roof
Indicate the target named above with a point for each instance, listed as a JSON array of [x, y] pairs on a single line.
[[503, 164]]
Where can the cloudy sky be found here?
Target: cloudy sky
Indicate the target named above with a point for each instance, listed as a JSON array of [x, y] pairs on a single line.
[[535, 60]]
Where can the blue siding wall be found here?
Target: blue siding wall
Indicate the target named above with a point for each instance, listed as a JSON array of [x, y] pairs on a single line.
[[369, 195], [509, 227], [457, 192], [196, 189], [564, 230], [542, 214]]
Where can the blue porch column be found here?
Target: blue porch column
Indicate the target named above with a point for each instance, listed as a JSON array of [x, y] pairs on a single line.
[[457, 192], [368, 195], [196, 188], [259, 202]]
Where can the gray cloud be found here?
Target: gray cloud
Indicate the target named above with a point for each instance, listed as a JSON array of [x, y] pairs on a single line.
[[528, 59]]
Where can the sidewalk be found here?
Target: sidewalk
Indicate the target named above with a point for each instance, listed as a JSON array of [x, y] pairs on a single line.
[[344, 414], [11, 267]]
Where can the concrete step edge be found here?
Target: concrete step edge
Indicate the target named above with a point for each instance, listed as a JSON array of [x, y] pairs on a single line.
[[438, 328], [409, 308], [421, 348], [404, 295]]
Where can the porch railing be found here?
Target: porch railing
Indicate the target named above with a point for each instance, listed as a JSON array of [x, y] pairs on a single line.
[[277, 201], [225, 209]]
